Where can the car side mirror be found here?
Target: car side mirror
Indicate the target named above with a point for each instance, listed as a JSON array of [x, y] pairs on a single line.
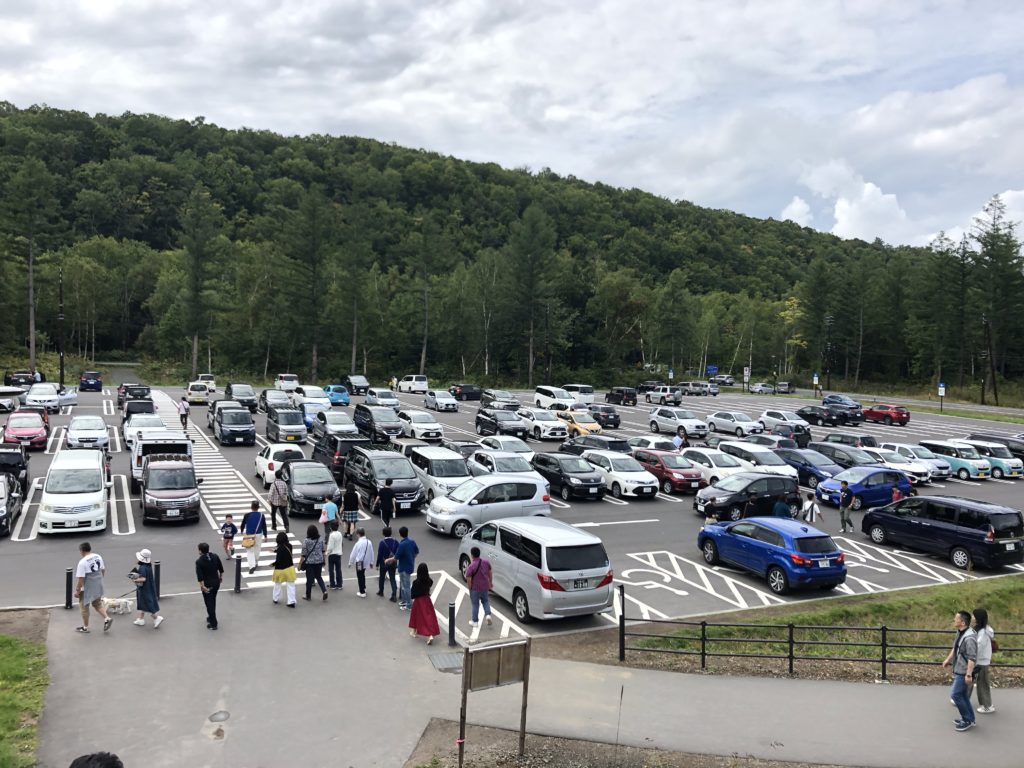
[[473, 502], [109, 484]]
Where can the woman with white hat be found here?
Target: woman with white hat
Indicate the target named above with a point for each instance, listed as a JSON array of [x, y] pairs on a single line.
[[145, 590]]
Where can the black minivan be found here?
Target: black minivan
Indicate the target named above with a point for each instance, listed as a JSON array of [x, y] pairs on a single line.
[[968, 532]]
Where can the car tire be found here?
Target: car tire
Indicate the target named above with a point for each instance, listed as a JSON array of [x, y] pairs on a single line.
[[461, 528], [762, 426], [655, 427], [857, 504], [564, 493], [666, 487], [662, 401], [887, 421], [463, 565], [710, 552], [963, 474], [812, 482], [616, 491], [133, 485], [479, 429], [735, 513], [536, 433], [712, 427], [463, 398], [521, 606], [712, 480], [739, 431], [997, 473], [878, 535], [960, 558], [777, 581]]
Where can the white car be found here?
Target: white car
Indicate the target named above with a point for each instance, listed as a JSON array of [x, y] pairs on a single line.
[[210, 380], [623, 475], [761, 388], [736, 422], [758, 458], [413, 383], [87, 432], [43, 395], [137, 422], [508, 443], [770, 418], [581, 393], [677, 421], [486, 461], [270, 459], [286, 382], [440, 400], [381, 396], [420, 424], [917, 471], [713, 464], [309, 393], [543, 424], [651, 443]]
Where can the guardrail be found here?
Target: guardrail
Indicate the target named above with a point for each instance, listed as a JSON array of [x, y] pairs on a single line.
[[792, 641]]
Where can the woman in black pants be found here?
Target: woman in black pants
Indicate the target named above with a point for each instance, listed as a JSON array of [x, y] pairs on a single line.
[[312, 561]]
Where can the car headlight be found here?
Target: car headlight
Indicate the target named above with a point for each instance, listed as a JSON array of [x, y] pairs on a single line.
[[298, 495], [574, 481], [3, 511], [826, 474], [99, 506], [193, 499], [46, 508], [150, 499]]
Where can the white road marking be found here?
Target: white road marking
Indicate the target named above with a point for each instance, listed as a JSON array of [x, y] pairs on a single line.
[[613, 500], [37, 485], [108, 407], [115, 526], [666, 497], [736, 589], [55, 441], [615, 522], [443, 579], [559, 504]]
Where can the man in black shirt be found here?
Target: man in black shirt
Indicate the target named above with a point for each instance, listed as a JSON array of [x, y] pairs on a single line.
[[209, 573], [386, 502]]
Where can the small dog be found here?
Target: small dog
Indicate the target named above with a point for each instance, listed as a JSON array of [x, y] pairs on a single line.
[[119, 605]]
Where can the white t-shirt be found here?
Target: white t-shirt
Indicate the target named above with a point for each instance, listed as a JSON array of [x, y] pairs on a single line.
[[91, 563], [183, 406], [811, 513]]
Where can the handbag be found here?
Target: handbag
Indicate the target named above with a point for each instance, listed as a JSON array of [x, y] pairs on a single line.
[[323, 517], [249, 540], [995, 645]]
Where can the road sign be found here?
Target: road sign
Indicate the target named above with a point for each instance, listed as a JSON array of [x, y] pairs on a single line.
[[671, 374], [942, 389], [746, 374], [815, 379], [712, 370]]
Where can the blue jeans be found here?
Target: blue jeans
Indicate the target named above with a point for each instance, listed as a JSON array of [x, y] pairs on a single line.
[[959, 694], [477, 597], [404, 589], [386, 572]]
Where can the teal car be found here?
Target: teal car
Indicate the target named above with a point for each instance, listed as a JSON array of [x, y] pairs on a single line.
[[998, 456], [337, 394], [964, 461]]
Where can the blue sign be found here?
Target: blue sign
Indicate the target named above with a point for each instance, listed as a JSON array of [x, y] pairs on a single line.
[[712, 370], [671, 373]]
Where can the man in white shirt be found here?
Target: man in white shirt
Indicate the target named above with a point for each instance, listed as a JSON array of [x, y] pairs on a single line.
[[335, 544], [810, 511], [362, 559], [183, 409], [89, 587]]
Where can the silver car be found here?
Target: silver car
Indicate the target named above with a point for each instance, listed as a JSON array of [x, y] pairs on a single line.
[[381, 396], [545, 568], [736, 422], [440, 400], [87, 432], [487, 498], [677, 421], [333, 423], [939, 466]]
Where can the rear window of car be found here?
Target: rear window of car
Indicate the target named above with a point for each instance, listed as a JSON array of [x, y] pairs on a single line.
[[618, 445], [577, 558], [288, 456], [816, 545], [1007, 525]]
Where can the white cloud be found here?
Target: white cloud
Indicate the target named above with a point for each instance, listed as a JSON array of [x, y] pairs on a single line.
[[798, 211]]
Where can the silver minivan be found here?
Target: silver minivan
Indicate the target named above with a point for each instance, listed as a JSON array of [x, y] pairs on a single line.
[[485, 498], [439, 469], [545, 568]]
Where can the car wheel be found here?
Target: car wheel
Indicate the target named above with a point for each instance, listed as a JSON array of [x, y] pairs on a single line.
[[739, 431], [616, 491], [662, 401], [777, 581], [877, 534], [479, 429], [712, 427], [887, 421], [997, 473], [461, 528], [666, 487], [858, 502], [710, 552], [521, 606], [655, 427], [963, 474], [134, 485], [712, 480], [761, 425], [463, 565], [735, 514], [463, 397], [536, 434], [537, 403], [961, 558], [647, 398], [812, 482], [565, 493]]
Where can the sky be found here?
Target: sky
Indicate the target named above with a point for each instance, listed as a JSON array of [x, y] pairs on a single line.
[[864, 118]]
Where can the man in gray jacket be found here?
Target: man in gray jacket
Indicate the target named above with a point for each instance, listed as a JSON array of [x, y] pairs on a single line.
[[963, 657]]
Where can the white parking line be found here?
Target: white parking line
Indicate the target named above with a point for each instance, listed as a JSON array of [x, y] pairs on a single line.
[[666, 497], [613, 500], [54, 443], [115, 526], [37, 485], [902, 561], [108, 407], [1000, 480], [736, 592], [443, 579], [559, 504], [116, 435], [646, 611]]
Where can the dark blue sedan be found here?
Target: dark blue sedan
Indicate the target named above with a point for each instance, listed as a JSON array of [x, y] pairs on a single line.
[[90, 380], [811, 467], [871, 486], [788, 554]]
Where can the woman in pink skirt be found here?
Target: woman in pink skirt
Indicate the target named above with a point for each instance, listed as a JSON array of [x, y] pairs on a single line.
[[422, 618]]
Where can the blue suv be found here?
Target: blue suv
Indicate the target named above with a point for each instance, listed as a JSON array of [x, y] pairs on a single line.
[[788, 554]]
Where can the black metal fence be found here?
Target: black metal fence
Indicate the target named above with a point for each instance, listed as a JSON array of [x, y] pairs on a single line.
[[881, 646]]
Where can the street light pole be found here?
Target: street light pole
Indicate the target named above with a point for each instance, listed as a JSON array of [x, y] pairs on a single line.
[[828, 352], [60, 321]]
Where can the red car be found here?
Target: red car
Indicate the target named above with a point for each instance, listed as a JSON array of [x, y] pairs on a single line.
[[887, 414], [675, 474], [26, 428]]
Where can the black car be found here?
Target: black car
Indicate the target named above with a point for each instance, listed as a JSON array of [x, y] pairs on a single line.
[[310, 485], [132, 406], [845, 456], [848, 408], [332, 451], [646, 386], [356, 384], [272, 398], [19, 379], [728, 498], [234, 426], [621, 396], [368, 470], [570, 476], [465, 448], [90, 381], [583, 443], [465, 391], [242, 393], [798, 433], [1014, 444], [605, 415], [856, 439], [377, 422], [14, 462], [821, 415], [498, 421], [12, 499]]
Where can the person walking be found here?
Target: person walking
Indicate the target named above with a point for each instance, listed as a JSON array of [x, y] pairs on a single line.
[[335, 545], [385, 503], [284, 570], [89, 587], [145, 590], [845, 505], [210, 574], [229, 531], [254, 524], [387, 562], [361, 558], [810, 511], [328, 516], [183, 409], [350, 510], [963, 657], [422, 617], [982, 682], [677, 442], [479, 580], [406, 553], [781, 509], [278, 500], [312, 561]]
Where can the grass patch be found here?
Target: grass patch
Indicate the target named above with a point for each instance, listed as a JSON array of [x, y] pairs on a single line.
[[929, 608], [983, 415], [23, 681]]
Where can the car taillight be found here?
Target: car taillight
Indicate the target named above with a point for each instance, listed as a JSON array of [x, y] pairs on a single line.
[[337, 457], [270, 466], [549, 583], [841, 559], [799, 560], [990, 536], [607, 579], [546, 497]]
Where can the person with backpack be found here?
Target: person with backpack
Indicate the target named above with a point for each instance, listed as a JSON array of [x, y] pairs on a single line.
[[810, 511]]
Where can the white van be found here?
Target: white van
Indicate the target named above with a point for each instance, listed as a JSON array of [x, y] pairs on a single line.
[[76, 493], [554, 398], [486, 498], [414, 382], [149, 441], [581, 393], [439, 469]]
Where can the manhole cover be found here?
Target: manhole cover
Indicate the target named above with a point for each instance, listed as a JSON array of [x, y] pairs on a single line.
[[447, 662]]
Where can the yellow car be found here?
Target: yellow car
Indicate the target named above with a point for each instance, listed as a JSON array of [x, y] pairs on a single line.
[[197, 393], [579, 423]]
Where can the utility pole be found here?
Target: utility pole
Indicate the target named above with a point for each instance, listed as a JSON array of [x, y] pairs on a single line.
[[991, 358], [60, 321], [828, 352]]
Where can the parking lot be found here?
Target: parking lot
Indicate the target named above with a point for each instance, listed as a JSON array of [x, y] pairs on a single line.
[[651, 542]]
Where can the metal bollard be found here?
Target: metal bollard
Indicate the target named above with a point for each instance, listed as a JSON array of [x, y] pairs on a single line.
[[67, 588], [451, 625], [238, 575], [156, 577]]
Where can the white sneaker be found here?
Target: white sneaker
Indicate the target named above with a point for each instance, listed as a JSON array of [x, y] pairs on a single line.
[[139, 623], [473, 623], [489, 622], [987, 710], [159, 620]]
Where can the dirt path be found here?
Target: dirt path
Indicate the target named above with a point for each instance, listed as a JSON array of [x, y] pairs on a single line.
[[28, 625]]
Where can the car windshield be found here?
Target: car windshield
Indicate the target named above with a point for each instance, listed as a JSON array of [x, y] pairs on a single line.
[[890, 456], [74, 481], [501, 394], [682, 413], [422, 418], [575, 465], [767, 459], [315, 392], [505, 416], [676, 462], [140, 392], [854, 474], [310, 475], [288, 455], [288, 377], [816, 545], [448, 468], [560, 394], [733, 483], [385, 394], [741, 417], [237, 416], [145, 420], [512, 464], [466, 491], [290, 418], [442, 395], [1000, 451], [335, 418], [25, 421], [312, 408], [544, 416], [577, 558], [242, 390], [11, 459], [398, 468], [359, 381], [171, 479], [276, 394], [921, 452], [584, 418], [723, 460], [966, 452], [1006, 523], [88, 424], [816, 459], [382, 416], [90, 374], [626, 464], [198, 388], [514, 444], [42, 389]]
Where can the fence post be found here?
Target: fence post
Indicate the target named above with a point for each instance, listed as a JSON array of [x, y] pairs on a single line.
[[156, 577], [238, 575], [451, 625], [703, 645], [791, 649], [67, 588], [622, 622], [885, 652]]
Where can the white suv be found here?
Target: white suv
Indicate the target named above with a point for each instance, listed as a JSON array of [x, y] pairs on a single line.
[[413, 383], [553, 398], [664, 395], [543, 424]]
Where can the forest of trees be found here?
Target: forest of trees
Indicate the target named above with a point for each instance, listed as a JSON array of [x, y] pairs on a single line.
[[323, 255]]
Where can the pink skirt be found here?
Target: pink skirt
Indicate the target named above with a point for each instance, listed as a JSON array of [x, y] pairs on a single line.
[[422, 617]]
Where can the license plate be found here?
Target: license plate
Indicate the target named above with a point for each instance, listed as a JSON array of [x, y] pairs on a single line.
[[404, 505], [318, 506], [593, 490], [647, 490], [695, 485], [581, 583], [26, 442], [289, 437], [700, 507], [173, 513], [1011, 545], [823, 563], [71, 524]]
